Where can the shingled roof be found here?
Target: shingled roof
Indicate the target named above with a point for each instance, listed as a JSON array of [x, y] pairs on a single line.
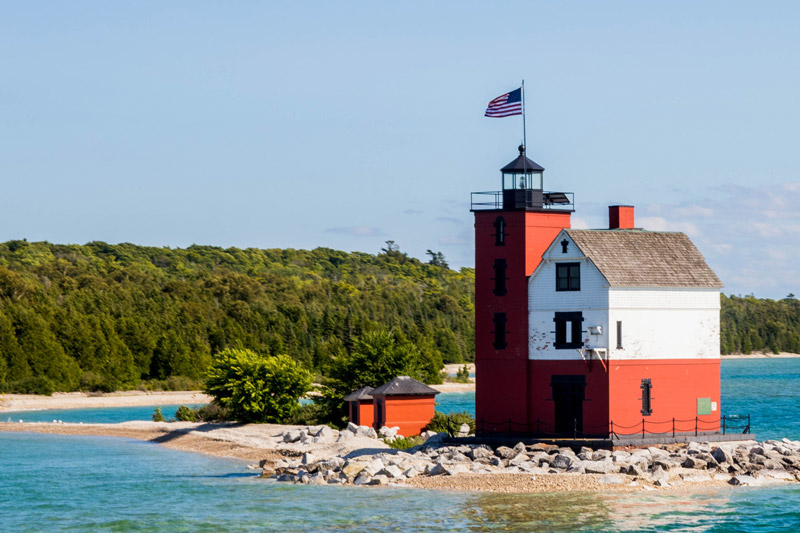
[[361, 394], [404, 386], [637, 258]]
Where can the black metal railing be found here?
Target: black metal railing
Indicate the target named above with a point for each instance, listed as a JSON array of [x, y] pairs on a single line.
[[493, 200], [692, 426]]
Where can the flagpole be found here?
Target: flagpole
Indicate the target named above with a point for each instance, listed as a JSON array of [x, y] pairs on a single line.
[[524, 133]]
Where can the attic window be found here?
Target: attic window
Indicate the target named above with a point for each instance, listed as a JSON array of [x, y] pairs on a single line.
[[568, 276], [500, 231]]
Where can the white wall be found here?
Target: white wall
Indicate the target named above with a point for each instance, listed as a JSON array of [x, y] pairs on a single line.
[[657, 323]]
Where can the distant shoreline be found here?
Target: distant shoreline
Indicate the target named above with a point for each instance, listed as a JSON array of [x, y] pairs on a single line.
[[83, 400]]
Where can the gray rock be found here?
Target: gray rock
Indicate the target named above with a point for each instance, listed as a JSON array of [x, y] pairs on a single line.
[[362, 479], [480, 452], [504, 452], [286, 477], [519, 447], [379, 480], [601, 455], [437, 470], [317, 479], [308, 458], [561, 461], [293, 435], [601, 467], [661, 483], [463, 430], [634, 470], [391, 432], [721, 455], [693, 462], [748, 481], [410, 472], [519, 459], [391, 472], [610, 479]]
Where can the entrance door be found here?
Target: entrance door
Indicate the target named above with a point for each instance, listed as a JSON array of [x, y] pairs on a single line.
[[568, 402]]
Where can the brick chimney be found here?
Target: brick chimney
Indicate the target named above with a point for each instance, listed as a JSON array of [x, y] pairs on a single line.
[[620, 217]]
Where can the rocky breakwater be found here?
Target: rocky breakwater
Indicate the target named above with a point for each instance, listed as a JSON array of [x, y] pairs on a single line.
[[743, 463]]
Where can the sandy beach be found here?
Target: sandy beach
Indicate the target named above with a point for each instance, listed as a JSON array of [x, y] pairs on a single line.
[[83, 400]]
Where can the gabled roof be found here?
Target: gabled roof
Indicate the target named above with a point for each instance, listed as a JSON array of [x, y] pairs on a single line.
[[637, 258], [404, 386], [360, 394]]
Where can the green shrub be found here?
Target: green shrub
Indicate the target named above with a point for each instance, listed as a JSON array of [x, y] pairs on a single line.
[[310, 414], [462, 376], [158, 416], [450, 423], [186, 414], [93, 382], [213, 413], [257, 388], [37, 385], [404, 443]]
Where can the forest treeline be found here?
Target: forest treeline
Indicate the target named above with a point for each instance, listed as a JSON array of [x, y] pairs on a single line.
[[105, 317], [750, 324]]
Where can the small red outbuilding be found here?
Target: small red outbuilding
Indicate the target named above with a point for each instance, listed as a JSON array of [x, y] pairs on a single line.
[[404, 402], [360, 404]]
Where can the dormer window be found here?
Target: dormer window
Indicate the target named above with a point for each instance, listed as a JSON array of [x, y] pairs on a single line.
[[500, 231], [568, 276]]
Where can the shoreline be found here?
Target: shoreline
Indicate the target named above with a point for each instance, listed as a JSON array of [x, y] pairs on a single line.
[[263, 445], [83, 400]]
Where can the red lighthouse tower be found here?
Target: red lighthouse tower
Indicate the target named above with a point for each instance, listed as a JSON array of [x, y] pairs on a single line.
[[513, 228]]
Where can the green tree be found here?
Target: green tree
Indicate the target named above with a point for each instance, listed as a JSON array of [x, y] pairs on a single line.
[[377, 357], [257, 388]]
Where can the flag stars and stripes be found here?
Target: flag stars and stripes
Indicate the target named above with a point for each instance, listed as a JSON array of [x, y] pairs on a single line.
[[506, 105]]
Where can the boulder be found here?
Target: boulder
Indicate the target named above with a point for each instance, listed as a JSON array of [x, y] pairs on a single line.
[[386, 432], [308, 458], [561, 461], [293, 435], [352, 428], [362, 479], [436, 470], [601, 467], [317, 479], [390, 471], [748, 481], [519, 459], [286, 477], [504, 452], [463, 430], [693, 462], [721, 455], [601, 455], [480, 452], [379, 480]]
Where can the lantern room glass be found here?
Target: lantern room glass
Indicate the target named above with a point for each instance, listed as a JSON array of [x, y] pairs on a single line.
[[522, 180]]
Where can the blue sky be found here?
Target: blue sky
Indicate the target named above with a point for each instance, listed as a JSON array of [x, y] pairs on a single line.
[[305, 124]]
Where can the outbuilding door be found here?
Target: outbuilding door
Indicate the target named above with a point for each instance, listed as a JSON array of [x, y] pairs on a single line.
[[568, 396]]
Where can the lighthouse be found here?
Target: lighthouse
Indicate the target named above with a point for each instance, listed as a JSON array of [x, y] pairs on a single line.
[[513, 228], [610, 332]]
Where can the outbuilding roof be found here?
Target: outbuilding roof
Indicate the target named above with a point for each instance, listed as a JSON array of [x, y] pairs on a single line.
[[638, 258], [404, 386], [361, 394]]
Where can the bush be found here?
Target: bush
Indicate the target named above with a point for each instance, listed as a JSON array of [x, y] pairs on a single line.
[[404, 443], [37, 385], [462, 376], [450, 423], [310, 414], [186, 414], [93, 382], [256, 388], [212, 413], [158, 416]]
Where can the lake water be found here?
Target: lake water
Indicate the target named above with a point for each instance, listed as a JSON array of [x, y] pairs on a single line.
[[52, 482]]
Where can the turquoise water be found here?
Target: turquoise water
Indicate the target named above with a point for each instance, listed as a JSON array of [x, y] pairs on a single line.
[[53, 482], [71, 483], [98, 415]]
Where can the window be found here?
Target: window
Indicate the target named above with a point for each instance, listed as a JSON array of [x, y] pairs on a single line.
[[568, 330], [499, 277], [647, 408], [500, 231], [619, 334], [499, 331], [564, 246], [568, 276]]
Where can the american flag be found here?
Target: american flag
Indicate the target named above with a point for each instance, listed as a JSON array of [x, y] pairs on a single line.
[[506, 105]]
